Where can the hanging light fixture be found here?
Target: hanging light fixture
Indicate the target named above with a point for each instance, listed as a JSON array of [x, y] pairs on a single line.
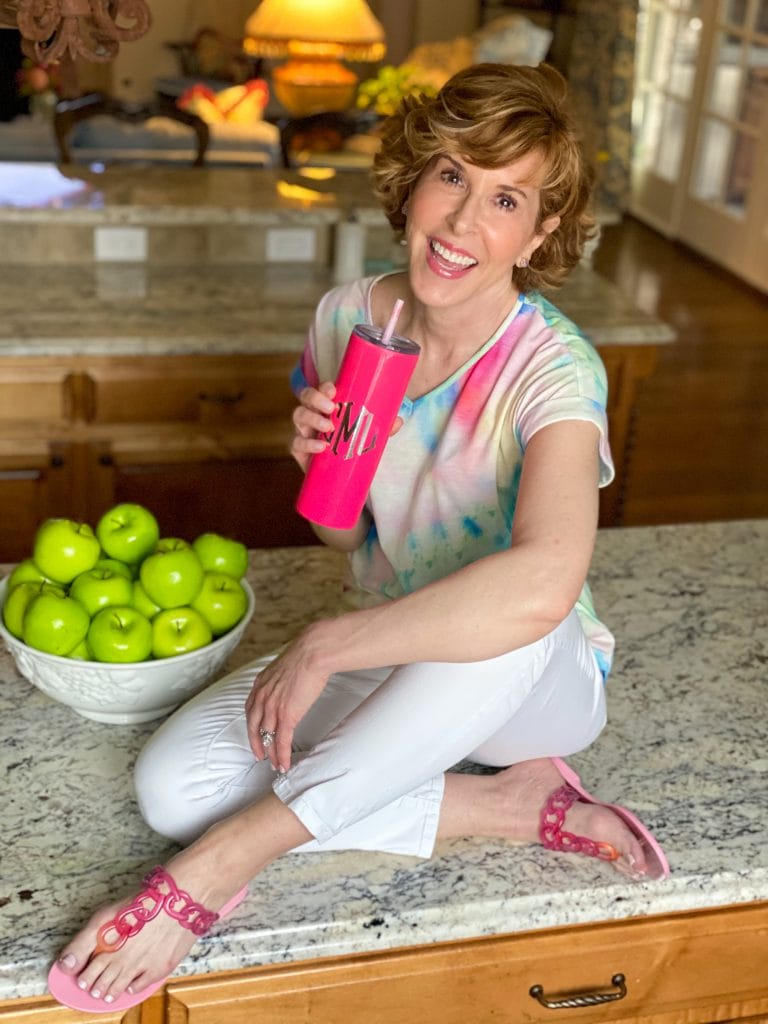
[[65, 29], [315, 35]]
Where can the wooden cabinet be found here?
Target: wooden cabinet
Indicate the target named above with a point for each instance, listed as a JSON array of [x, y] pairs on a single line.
[[690, 968], [202, 440]]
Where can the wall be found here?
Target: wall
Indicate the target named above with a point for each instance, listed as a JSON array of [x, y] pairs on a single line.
[[406, 22], [139, 63]]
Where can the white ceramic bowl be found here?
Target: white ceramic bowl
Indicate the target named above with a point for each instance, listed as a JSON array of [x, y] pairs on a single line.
[[124, 694]]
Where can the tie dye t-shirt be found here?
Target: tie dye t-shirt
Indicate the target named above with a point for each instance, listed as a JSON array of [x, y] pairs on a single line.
[[445, 491]]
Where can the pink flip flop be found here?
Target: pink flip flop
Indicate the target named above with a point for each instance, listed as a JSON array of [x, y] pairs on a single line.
[[162, 893], [553, 837]]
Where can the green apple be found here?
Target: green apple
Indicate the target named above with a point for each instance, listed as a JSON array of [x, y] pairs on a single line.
[[54, 623], [26, 571], [172, 577], [142, 603], [128, 532], [222, 554], [172, 544], [115, 566], [16, 602], [63, 548], [82, 652], [120, 634], [178, 631], [100, 588], [222, 602]]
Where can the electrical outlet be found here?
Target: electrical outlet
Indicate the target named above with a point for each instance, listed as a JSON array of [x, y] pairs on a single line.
[[291, 245], [120, 245]]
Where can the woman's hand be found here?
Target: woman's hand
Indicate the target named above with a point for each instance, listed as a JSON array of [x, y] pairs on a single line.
[[280, 697], [310, 418]]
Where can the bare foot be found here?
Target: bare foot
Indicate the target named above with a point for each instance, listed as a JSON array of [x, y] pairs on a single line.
[[152, 953], [524, 789]]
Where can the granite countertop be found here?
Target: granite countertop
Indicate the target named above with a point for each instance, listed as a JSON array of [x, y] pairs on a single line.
[[122, 195], [685, 748], [124, 309]]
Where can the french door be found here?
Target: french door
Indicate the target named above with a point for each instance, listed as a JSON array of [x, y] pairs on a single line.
[[700, 128]]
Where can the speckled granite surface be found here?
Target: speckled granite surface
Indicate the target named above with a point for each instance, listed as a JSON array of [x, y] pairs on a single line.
[[122, 309], [685, 747]]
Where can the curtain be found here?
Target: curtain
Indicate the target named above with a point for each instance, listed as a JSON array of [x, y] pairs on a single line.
[[601, 75]]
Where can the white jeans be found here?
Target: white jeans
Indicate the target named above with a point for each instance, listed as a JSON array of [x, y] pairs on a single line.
[[370, 756]]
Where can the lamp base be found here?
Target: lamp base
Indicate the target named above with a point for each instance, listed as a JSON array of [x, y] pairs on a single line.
[[310, 87]]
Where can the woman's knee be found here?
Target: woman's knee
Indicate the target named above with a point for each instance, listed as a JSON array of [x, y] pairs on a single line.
[[160, 790]]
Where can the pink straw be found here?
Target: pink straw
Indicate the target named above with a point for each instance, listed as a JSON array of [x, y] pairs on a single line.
[[389, 330]]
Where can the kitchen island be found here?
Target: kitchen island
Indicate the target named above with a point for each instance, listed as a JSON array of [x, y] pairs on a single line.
[[350, 936]]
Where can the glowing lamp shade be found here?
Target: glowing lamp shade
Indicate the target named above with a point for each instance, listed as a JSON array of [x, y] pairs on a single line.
[[314, 35]]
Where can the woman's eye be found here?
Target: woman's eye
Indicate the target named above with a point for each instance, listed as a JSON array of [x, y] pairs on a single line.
[[507, 202], [450, 176]]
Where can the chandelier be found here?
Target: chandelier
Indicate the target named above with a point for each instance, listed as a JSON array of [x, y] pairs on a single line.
[[53, 30]]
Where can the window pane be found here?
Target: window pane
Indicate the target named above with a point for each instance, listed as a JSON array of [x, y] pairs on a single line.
[[756, 91], [683, 68], [723, 166], [725, 83], [735, 11], [740, 172], [671, 138]]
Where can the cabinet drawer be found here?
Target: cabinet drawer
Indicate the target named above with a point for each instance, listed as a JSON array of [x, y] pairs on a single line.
[[683, 969], [199, 389]]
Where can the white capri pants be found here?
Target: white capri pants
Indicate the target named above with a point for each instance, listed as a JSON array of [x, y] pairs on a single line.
[[369, 757]]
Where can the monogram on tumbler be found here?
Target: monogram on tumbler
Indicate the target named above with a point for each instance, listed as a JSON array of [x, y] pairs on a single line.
[[371, 384]]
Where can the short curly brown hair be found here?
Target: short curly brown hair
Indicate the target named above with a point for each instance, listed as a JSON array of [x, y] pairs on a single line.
[[492, 115]]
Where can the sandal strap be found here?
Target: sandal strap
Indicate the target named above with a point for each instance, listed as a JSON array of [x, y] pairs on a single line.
[[160, 893], [554, 837]]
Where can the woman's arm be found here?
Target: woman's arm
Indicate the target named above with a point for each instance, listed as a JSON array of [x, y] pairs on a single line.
[[494, 605], [502, 601]]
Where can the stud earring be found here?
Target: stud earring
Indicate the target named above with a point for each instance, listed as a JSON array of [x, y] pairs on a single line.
[[522, 263], [404, 208]]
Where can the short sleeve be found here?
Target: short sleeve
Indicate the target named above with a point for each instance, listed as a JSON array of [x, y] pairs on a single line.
[[566, 382]]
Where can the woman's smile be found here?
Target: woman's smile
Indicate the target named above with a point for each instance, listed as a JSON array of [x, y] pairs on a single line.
[[447, 260]]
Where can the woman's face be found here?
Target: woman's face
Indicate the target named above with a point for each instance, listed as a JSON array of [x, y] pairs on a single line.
[[467, 227]]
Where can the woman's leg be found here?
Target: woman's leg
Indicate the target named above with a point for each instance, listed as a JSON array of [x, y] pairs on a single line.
[[198, 767], [405, 734], [369, 771]]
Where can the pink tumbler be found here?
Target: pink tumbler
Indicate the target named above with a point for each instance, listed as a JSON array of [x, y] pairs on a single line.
[[370, 387]]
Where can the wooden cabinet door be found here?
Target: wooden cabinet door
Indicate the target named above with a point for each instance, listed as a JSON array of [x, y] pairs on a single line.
[[625, 366], [37, 480], [682, 969], [198, 482]]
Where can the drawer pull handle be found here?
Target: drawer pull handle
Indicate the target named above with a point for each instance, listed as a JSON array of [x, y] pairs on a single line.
[[221, 397], [106, 460], [57, 461], [581, 999]]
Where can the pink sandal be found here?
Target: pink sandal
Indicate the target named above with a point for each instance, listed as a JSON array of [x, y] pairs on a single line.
[[160, 893], [554, 837]]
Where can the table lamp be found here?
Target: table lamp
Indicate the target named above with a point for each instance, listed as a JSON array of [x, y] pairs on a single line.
[[314, 35]]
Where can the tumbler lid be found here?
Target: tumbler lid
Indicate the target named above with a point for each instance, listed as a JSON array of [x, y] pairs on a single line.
[[395, 344]]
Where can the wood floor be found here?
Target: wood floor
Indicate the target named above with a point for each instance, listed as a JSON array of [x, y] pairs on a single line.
[[700, 449]]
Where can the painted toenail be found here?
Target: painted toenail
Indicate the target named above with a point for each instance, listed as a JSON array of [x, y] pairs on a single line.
[[109, 999], [95, 993], [69, 960], [83, 985]]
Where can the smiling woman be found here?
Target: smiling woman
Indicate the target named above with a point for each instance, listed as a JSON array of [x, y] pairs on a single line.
[[471, 632]]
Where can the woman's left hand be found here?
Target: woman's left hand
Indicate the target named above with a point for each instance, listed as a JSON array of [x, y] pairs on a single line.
[[280, 697]]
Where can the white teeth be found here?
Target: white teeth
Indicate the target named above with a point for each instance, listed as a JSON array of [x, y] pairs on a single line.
[[452, 257]]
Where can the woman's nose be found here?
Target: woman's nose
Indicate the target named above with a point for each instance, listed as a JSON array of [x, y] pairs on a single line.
[[464, 214]]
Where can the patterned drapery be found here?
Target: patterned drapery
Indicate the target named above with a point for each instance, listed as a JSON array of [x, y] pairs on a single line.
[[601, 75]]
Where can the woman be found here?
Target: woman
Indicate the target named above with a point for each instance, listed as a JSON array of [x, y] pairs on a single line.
[[471, 632]]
